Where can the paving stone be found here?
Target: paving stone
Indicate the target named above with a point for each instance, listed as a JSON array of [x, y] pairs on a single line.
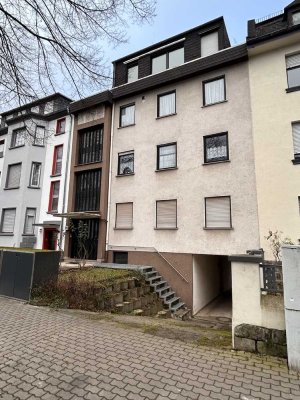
[[55, 355]]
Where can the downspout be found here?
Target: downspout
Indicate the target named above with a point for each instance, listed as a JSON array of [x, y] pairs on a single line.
[[66, 177], [110, 176]]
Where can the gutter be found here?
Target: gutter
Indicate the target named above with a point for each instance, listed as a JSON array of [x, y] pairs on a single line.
[[110, 176]]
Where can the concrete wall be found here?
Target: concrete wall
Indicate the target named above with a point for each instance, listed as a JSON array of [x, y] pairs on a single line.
[[249, 306], [273, 111], [206, 280], [192, 181]]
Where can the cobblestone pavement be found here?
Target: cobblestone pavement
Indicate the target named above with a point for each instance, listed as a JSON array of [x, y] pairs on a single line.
[[52, 355]]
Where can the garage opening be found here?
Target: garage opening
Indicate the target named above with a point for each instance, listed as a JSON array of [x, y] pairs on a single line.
[[212, 286]]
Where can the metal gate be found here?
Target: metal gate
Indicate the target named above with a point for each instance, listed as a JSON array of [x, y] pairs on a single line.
[[16, 274], [91, 243]]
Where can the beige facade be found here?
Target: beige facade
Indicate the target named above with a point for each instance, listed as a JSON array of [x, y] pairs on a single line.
[[273, 112], [192, 181]]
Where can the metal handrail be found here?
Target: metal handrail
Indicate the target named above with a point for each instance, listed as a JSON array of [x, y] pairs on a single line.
[[276, 14], [172, 266]]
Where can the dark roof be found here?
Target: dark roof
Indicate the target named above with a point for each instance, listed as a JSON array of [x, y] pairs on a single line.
[[272, 26], [211, 24], [102, 97], [223, 58], [35, 103]]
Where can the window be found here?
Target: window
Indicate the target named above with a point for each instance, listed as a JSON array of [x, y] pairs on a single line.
[[35, 175], [296, 18], [214, 91], [166, 214], [18, 137], [13, 176], [132, 73], [299, 203], [57, 160], [218, 212], [8, 220], [39, 136], [60, 126], [296, 140], [2, 142], [166, 104], [209, 44], [167, 156], [29, 221], [124, 216], [126, 163], [54, 195], [87, 194], [90, 145], [168, 60], [293, 70], [127, 115], [216, 148]]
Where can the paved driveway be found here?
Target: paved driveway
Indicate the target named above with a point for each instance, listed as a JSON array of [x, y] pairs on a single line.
[[47, 354]]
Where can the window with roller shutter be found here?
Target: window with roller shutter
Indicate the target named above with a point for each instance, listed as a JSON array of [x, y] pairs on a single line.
[[166, 214], [293, 70], [296, 141], [13, 176], [8, 220], [124, 216], [218, 212], [209, 44]]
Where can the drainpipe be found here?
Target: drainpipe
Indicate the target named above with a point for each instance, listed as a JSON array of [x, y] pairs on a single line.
[[66, 177], [110, 175]]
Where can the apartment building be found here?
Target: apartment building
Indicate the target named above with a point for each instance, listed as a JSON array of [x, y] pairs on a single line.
[[183, 192], [274, 67], [89, 177], [28, 194], [3, 136]]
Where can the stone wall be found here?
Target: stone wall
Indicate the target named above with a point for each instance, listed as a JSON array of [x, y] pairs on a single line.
[[260, 340]]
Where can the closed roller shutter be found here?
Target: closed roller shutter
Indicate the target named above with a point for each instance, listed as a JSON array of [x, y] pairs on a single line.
[[293, 61], [209, 44], [166, 214], [8, 220], [13, 176], [296, 139], [218, 212], [124, 215]]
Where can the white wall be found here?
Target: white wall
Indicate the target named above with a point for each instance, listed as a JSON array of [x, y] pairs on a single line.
[[206, 280], [52, 141], [192, 181], [249, 306]]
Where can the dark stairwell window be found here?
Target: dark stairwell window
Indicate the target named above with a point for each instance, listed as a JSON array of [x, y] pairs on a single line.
[[88, 184], [90, 145]]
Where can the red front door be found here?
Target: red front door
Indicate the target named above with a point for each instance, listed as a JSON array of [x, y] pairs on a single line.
[[50, 239]]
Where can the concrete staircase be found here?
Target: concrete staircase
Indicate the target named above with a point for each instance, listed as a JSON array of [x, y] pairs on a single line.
[[164, 291]]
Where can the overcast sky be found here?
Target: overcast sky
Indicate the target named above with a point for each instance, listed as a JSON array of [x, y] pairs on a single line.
[[175, 16]]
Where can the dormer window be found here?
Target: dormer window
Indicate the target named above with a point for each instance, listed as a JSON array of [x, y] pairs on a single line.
[[296, 18], [132, 73], [168, 60], [209, 44]]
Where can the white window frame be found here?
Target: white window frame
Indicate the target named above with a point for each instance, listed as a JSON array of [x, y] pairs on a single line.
[[2, 220], [123, 225], [8, 176], [33, 164], [130, 123], [209, 225], [160, 223], [27, 215]]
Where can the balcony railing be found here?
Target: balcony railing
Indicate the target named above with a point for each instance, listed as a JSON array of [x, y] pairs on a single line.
[[265, 18], [272, 281]]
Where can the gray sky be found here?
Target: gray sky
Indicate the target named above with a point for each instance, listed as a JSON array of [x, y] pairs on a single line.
[[175, 16]]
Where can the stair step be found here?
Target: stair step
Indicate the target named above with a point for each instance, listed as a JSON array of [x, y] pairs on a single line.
[[154, 279], [158, 284], [177, 306], [150, 274], [167, 294], [172, 301], [163, 290], [146, 269]]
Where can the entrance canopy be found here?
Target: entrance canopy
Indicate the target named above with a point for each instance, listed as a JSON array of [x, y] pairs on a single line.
[[78, 215], [49, 224]]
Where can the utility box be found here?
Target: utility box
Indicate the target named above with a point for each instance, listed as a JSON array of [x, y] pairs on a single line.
[[291, 284], [20, 271]]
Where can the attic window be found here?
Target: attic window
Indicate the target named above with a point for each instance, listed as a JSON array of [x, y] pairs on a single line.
[[296, 18], [168, 60], [132, 73]]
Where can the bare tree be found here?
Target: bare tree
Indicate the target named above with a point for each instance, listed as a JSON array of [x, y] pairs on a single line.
[[46, 44]]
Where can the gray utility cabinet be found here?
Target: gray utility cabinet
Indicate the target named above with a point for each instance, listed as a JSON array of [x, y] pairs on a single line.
[[21, 271], [291, 284]]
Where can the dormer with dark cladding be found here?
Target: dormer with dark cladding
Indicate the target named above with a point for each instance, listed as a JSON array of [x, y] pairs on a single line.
[[275, 25], [189, 40]]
